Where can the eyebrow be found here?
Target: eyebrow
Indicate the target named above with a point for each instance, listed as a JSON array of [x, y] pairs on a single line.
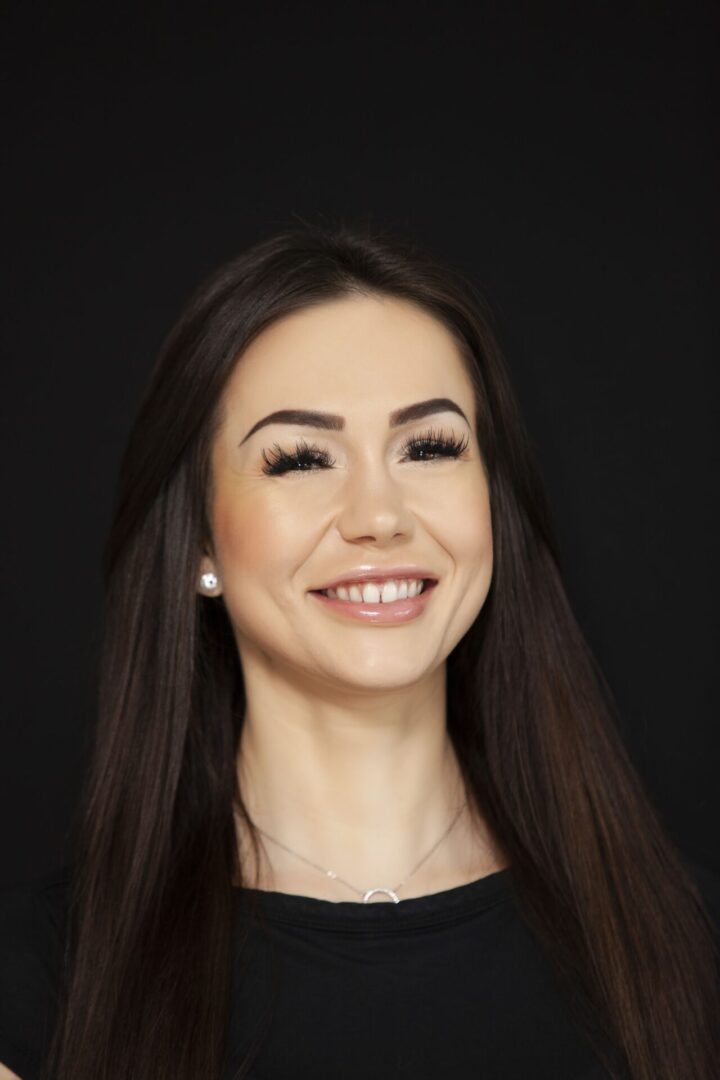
[[333, 422]]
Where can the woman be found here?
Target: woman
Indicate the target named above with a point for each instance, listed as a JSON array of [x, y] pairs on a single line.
[[357, 804]]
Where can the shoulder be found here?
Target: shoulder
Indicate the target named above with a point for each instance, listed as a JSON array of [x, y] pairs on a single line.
[[32, 937]]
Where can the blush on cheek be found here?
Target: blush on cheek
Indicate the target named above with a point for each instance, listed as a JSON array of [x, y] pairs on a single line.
[[242, 543], [253, 543], [471, 527]]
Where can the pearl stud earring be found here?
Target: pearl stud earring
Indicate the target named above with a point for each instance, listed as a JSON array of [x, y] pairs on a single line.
[[209, 580]]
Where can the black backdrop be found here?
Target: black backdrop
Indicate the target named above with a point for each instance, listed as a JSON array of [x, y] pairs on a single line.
[[563, 155]]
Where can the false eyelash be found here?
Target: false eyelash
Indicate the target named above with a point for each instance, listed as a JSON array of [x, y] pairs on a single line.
[[440, 444], [444, 445]]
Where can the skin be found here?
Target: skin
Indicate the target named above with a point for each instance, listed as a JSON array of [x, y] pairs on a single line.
[[344, 754]]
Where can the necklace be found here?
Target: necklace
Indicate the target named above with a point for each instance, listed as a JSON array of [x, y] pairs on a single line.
[[365, 893]]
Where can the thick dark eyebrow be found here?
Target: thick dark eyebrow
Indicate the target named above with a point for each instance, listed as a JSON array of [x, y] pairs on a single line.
[[333, 422]]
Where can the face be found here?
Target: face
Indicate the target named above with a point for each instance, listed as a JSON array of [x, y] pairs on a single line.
[[364, 499]]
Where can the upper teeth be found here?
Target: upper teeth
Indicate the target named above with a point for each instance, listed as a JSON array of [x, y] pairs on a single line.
[[373, 592]]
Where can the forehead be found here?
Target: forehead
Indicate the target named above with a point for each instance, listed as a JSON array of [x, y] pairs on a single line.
[[359, 349]]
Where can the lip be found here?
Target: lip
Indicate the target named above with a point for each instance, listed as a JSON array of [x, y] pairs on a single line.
[[377, 573], [399, 611]]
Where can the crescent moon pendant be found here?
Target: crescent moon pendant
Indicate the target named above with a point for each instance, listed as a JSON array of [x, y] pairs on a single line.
[[389, 892]]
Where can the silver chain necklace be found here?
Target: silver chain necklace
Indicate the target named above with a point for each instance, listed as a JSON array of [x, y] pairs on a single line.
[[365, 893]]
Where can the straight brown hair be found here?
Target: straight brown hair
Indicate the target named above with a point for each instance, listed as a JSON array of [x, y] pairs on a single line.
[[149, 954]]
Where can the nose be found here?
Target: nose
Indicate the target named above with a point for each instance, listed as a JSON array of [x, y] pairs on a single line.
[[373, 507]]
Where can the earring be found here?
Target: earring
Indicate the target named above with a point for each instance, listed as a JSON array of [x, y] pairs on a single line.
[[209, 580]]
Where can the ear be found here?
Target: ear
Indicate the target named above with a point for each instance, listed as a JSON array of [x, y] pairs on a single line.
[[208, 585]]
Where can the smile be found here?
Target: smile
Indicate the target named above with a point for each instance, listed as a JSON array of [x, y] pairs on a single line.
[[377, 592], [379, 603]]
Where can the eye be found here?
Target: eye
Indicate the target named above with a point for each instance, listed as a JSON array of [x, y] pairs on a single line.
[[305, 457], [439, 445], [420, 447]]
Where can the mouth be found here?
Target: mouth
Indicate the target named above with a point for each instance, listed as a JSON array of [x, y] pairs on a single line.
[[357, 596]]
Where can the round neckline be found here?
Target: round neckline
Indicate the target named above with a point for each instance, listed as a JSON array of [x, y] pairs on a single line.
[[445, 906]]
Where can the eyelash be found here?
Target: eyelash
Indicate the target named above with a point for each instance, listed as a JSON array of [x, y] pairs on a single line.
[[440, 444]]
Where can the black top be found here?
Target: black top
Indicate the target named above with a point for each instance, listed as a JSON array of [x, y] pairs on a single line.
[[451, 984]]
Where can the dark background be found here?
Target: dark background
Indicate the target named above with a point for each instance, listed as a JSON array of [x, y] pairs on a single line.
[[563, 155]]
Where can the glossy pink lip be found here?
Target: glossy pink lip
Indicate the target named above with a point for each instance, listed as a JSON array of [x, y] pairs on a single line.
[[398, 611], [377, 573]]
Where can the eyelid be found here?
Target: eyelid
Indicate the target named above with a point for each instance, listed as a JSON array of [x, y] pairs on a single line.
[[457, 444], [435, 430], [409, 439]]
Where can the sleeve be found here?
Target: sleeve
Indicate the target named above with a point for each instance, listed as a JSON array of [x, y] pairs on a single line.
[[31, 947]]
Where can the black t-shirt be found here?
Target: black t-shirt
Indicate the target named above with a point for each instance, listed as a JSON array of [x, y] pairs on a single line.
[[452, 984]]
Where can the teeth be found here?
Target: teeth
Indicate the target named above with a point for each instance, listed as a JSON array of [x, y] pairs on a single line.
[[373, 592]]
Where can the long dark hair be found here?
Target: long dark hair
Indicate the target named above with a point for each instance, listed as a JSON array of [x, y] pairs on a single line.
[[149, 956]]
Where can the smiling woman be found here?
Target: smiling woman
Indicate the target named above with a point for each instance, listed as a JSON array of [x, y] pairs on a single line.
[[378, 489], [358, 804]]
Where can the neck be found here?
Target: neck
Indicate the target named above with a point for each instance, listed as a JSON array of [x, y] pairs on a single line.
[[364, 792]]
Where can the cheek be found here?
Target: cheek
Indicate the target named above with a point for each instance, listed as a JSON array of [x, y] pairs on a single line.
[[259, 544], [470, 543], [255, 541], [464, 521]]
